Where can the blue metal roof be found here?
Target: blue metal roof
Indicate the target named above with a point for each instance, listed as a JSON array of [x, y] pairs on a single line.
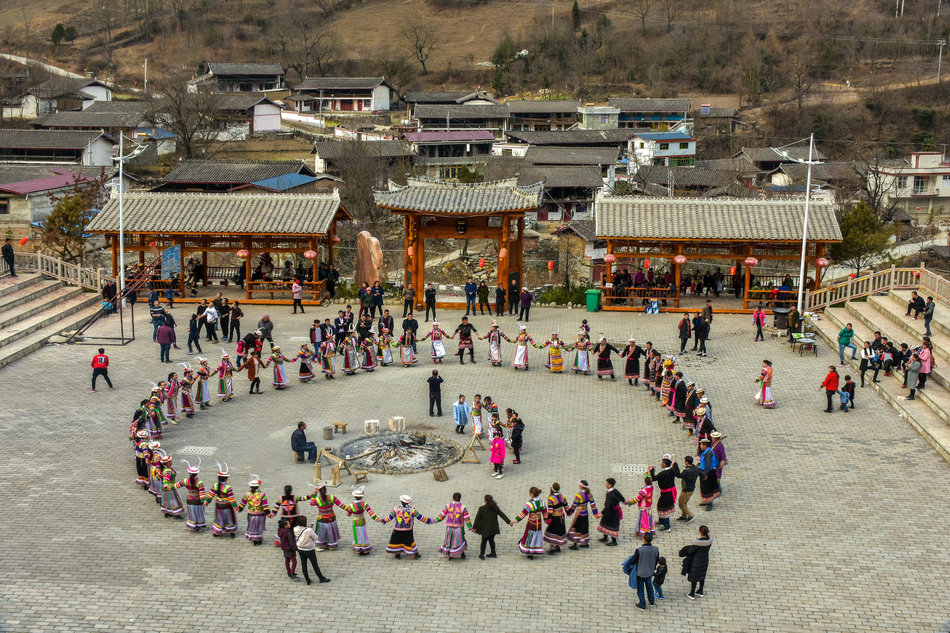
[[665, 136], [157, 133], [284, 182]]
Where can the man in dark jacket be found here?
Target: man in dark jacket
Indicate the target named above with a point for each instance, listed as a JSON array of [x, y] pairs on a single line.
[[430, 302], [333, 276], [470, 290], [500, 300], [685, 331], [299, 444], [410, 328], [708, 311], [526, 299], [689, 475], [640, 567], [702, 333], [8, 256], [514, 294], [916, 304], [194, 334], [340, 327], [435, 392], [385, 321]]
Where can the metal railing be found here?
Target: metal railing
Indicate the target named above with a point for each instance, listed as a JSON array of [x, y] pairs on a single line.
[[58, 269], [882, 281]]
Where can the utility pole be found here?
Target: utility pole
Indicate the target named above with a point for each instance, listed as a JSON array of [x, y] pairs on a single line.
[[940, 44], [145, 86]]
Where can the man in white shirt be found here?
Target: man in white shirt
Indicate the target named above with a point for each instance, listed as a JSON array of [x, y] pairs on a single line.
[[211, 323]]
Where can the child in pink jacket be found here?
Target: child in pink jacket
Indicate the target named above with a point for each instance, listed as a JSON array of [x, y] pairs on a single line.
[[497, 458]]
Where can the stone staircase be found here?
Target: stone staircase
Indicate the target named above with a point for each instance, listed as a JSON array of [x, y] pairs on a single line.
[[929, 413], [34, 307]]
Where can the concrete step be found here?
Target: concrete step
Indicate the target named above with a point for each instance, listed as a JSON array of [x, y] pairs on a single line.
[[9, 285], [45, 302], [941, 320], [910, 328], [29, 343], [27, 294], [47, 318], [936, 396], [868, 314]]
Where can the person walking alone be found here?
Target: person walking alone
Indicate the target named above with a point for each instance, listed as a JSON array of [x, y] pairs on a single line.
[[9, 257], [296, 291], [429, 297], [758, 317], [684, 332], [435, 392], [100, 367], [830, 385], [696, 563], [844, 342], [929, 314]]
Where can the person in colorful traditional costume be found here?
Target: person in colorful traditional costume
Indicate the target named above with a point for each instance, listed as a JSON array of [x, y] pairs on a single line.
[[644, 502], [520, 358], [155, 471], [203, 394], [532, 541], [494, 337], [611, 515], [604, 365], [171, 397], [403, 541], [385, 348], [556, 532], [194, 498], [351, 358], [765, 379], [328, 358], [556, 348], [225, 507], [665, 480], [579, 532], [465, 330], [679, 397], [436, 336], [287, 507], [708, 481], [280, 372], [631, 369], [368, 352], [359, 510], [257, 511], [184, 388], [171, 501], [582, 354], [225, 373], [456, 519], [328, 533], [692, 401], [305, 356], [142, 453], [254, 365]]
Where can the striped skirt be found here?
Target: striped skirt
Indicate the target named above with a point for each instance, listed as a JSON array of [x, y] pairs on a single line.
[[196, 517], [455, 544], [555, 534], [605, 367], [187, 402], [361, 539], [280, 376], [225, 521], [154, 486], [171, 503], [141, 472], [532, 542], [256, 524], [306, 371], [171, 408], [555, 361], [328, 534], [580, 530], [402, 542], [645, 522], [225, 387]]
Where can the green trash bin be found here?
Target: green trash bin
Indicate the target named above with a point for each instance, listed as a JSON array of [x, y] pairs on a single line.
[[593, 300]]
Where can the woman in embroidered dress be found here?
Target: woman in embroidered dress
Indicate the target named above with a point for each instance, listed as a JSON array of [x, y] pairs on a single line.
[[305, 357], [494, 337], [287, 508], [403, 541], [155, 471], [556, 532], [225, 373], [532, 541], [368, 353], [257, 511], [184, 388], [582, 354], [385, 348], [666, 482], [520, 358], [171, 397], [456, 519], [204, 390], [556, 350], [194, 498], [579, 533], [171, 501], [225, 507], [351, 358], [765, 394], [604, 365], [406, 353], [644, 501], [328, 357], [280, 372], [328, 533], [631, 369], [436, 334], [359, 510]]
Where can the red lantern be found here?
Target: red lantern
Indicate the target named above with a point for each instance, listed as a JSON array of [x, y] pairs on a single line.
[[503, 253], [646, 263], [680, 259], [821, 262], [550, 265], [244, 253], [310, 254], [732, 270], [852, 275], [410, 251], [24, 240], [751, 261], [336, 239], [610, 258], [481, 262]]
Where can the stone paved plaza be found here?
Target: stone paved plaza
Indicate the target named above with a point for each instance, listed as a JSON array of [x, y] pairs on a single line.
[[827, 523]]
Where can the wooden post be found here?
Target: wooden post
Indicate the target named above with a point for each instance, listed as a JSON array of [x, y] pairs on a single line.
[[503, 264], [204, 264], [745, 295], [246, 243], [115, 257], [142, 249], [408, 242], [330, 240], [420, 268], [678, 268], [313, 270], [181, 266]]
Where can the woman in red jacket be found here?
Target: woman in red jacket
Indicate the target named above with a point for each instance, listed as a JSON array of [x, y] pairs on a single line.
[[830, 385]]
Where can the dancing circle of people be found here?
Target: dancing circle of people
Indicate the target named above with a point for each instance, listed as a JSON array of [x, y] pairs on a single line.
[[545, 518]]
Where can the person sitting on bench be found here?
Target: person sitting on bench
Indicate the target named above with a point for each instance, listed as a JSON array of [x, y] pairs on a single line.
[[299, 444]]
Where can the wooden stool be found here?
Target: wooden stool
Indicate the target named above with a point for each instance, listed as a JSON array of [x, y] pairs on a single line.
[[360, 475], [336, 479], [317, 472], [339, 427], [397, 424], [298, 457], [371, 426]]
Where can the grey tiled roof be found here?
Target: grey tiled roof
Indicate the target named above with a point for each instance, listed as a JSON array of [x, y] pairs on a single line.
[[240, 101], [769, 155], [47, 139], [686, 176], [421, 194], [381, 149], [589, 138], [59, 86], [433, 97], [228, 68], [562, 176], [10, 172], [462, 111], [329, 83], [627, 104], [706, 219], [584, 229], [542, 107], [220, 213], [90, 120], [740, 165], [551, 155], [826, 171], [234, 173], [123, 107]]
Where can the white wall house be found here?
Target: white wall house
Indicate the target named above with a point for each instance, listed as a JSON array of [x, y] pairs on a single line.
[[668, 149], [920, 184]]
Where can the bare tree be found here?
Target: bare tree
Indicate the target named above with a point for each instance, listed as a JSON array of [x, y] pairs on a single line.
[[672, 10], [422, 40], [798, 67], [642, 8], [304, 45], [877, 187], [363, 168], [191, 116]]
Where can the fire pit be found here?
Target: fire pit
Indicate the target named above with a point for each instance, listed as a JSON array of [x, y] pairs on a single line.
[[400, 453]]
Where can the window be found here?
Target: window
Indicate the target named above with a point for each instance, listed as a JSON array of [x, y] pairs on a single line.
[[4, 206], [920, 184], [664, 146], [902, 182], [684, 145], [642, 145], [946, 181], [605, 118]]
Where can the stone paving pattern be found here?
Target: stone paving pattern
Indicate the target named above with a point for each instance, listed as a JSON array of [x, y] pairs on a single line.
[[828, 522]]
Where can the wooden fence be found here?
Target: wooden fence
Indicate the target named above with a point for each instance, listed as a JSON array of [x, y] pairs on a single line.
[[880, 282]]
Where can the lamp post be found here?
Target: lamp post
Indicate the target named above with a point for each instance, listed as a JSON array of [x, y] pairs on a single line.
[[809, 163], [121, 158]]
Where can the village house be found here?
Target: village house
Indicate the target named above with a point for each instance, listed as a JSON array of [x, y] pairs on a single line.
[[568, 190], [598, 117], [478, 97], [465, 116], [86, 148], [60, 94], [603, 158], [710, 121], [251, 109], [445, 154], [657, 114], [674, 149], [329, 154], [767, 160], [542, 116], [239, 77], [216, 176], [110, 117], [744, 169], [684, 181], [341, 94], [27, 191], [918, 184]]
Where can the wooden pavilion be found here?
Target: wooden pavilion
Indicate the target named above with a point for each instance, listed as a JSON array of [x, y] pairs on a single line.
[[435, 209], [246, 225], [740, 232]]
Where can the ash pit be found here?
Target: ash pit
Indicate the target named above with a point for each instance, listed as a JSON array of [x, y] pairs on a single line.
[[396, 453]]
